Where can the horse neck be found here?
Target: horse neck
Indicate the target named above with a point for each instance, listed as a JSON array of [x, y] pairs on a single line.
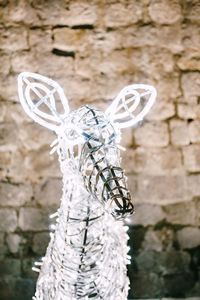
[[77, 203]]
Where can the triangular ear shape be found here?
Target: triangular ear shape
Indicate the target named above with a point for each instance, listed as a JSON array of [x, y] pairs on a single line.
[[41, 97], [131, 105]]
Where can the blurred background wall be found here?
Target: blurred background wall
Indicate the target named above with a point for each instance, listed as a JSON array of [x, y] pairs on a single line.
[[93, 49]]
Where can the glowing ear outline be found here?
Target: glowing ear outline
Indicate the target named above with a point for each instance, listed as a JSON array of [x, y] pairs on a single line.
[[32, 109], [131, 89]]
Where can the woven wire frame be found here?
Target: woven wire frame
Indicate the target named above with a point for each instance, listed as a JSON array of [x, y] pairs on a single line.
[[103, 179]]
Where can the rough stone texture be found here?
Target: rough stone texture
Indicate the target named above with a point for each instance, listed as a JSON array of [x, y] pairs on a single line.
[[13, 241], [181, 213], [40, 241], [144, 215], [33, 219], [8, 219], [191, 86], [93, 49], [179, 133], [194, 129], [152, 189], [14, 194], [165, 12], [48, 193], [191, 156], [188, 112], [152, 134], [189, 237]]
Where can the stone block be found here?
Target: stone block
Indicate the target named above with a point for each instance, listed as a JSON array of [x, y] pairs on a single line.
[[148, 261], [147, 214], [191, 37], [82, 13], [75, 13], [34, 219], [134, 160], [8, 220], [166, 262], [156, 62], [191, 10], [19, 12], [170, 37], [67, 39], [8, 90], [15, 170], [155, 161], [64, 67], [8, 136], [152, 241], [189, 61], [49, 192], [137, 36], [191, 87], [168, 88], [39, 163], [14, 114], [40, 243], [118, 14], [14, 194], [10, 266], [101, 39], [193, 185], [179, 133], [23, 61], [181, 213], [38, 35], [33, 137], [163, 161], [13, 39], [161, 111], [194, 131], [191, 155], [5, 64], [13, 241], [189, 237], [158, 240], [154, 134], [165, 12], [161, 189], [191, 111]]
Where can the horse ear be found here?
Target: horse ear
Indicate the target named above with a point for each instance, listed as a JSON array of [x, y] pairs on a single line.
[[131, 105], [42, 99]]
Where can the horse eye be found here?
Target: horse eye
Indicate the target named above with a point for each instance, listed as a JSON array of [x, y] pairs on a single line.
[[71, 134]]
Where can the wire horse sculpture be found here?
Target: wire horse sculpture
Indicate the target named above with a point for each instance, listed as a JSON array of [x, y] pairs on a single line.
[[87, 254]]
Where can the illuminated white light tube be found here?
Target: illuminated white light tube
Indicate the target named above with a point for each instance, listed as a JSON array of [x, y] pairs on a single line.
[[88, 253]]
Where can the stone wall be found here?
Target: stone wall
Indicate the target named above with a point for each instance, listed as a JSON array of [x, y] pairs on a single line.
[[93, 49]]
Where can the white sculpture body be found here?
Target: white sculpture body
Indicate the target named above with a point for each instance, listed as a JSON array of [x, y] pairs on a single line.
[[87, 254]]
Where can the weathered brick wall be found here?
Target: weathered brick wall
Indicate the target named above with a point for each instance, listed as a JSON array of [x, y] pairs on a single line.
[[93, 49]]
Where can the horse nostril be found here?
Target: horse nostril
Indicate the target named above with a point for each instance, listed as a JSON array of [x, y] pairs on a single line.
[[116, 196], [108, 184]]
